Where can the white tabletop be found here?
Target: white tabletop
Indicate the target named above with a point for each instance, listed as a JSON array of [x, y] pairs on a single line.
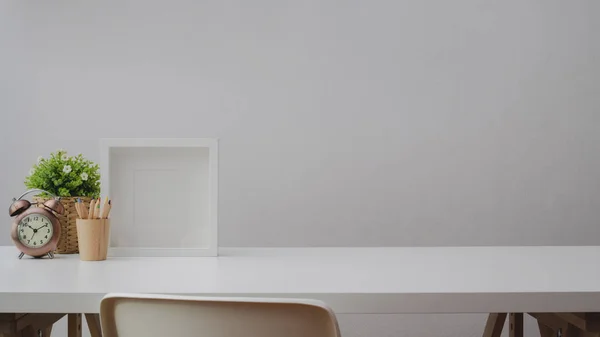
[[351, 280]]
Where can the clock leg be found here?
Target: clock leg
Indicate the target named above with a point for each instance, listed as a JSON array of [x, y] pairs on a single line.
[[51, 255], [21, 255]]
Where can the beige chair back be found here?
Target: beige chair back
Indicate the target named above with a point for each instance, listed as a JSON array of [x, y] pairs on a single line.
[[133, 315]]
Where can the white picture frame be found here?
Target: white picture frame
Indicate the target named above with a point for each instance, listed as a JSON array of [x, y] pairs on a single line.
[[164, 193]]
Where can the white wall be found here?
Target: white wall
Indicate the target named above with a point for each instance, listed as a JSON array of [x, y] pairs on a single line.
[[341, 123]]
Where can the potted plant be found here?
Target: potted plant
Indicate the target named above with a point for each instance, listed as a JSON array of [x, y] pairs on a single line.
[[71, 178]]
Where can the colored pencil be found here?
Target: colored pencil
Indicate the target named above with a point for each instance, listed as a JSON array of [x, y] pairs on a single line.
[[84, 212], [92, 204], [78, 208], [97, 209], [103, 214], [107, 210]]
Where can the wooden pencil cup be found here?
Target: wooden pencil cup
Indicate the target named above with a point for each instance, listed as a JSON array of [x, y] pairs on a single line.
[[93, 236]]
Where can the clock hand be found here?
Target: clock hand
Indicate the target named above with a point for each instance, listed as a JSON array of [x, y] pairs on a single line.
[[34, 231], [41, 227]]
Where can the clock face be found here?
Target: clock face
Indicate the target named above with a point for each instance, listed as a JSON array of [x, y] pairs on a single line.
[[35, 230]]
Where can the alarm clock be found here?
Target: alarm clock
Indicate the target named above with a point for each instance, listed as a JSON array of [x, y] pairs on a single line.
[[36, 230]]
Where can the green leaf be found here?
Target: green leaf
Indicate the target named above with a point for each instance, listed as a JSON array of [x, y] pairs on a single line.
[[48, 175]]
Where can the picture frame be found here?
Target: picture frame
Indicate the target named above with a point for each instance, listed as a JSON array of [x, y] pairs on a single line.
[[164, 193]]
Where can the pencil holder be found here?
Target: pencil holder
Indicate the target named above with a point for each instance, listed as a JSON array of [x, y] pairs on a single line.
[[93, 236]]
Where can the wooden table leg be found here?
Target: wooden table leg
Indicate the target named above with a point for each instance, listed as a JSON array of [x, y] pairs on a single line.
[[545, 331], [74, 325], [551, 320], [7, 334], [516, 324], [494, 325], [27, 325], [571, 331], [93, 321], [47, 332], [29, 332], [554, 325]]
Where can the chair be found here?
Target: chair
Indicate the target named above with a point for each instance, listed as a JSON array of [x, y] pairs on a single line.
[[133, 315]]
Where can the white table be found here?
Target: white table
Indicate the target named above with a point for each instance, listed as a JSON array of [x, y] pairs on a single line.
[[350, 280]]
